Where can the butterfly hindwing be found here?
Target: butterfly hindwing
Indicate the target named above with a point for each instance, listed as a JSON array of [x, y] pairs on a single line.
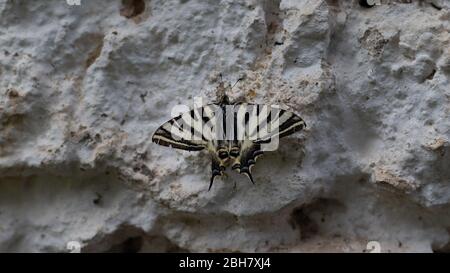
[[216, 169], [250, 152]]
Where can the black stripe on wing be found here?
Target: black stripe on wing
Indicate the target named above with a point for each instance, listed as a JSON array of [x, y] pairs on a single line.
[[292, 125], [189, 133], [281, 123], [164, 138]]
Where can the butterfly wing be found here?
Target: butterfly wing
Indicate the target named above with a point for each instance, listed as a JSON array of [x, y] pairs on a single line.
[[263, 125], [276, 123], [190, 131]]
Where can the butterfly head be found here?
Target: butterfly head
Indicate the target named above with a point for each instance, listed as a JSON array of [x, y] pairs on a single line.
[[223, 90]]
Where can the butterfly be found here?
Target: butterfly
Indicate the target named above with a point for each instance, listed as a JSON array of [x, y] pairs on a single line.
[[235, 134]]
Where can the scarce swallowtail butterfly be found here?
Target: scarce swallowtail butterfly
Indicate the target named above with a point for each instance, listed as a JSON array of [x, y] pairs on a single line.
[[234, 134]]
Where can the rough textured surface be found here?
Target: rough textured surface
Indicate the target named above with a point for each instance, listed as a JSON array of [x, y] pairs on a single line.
[[82, 88]]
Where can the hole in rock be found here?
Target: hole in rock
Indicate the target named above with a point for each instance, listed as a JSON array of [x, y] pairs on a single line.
[[300, 218], [132, 8], [130, 239], [431, 76], [367, 3], [130, 245], [308, 217], [441, 248]]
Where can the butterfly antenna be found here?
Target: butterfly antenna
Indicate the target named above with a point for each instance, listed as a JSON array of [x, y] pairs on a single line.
[[240, 79]]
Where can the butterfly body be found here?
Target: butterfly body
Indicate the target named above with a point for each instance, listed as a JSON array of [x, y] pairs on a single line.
[[234, 134]]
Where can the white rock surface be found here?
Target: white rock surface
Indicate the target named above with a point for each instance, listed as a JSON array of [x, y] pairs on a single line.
[[82, 89]]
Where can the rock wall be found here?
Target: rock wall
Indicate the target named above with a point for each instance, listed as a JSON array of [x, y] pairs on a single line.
[[83, 87]]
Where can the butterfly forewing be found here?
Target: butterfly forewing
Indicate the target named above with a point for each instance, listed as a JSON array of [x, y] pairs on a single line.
[[190, 131]]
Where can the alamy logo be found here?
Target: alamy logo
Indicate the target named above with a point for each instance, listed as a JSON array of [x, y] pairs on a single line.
[[73, 247], [73, 2], [373, 2], [373, 247], [229, 122]]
